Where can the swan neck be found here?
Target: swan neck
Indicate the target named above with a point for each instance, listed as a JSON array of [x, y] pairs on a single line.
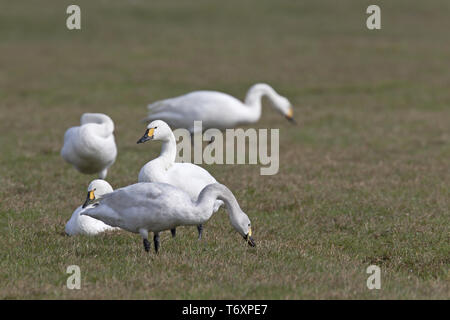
[[106, 125], [209, 195], [169, 149], [254, 96]]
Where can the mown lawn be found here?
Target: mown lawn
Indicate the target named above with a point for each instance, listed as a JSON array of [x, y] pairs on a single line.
[[364, 176]]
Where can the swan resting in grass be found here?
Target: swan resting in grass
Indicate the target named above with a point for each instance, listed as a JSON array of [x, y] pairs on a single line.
[[187, 176], [216, 109], [79, 224], [155, 207], [91, 147]]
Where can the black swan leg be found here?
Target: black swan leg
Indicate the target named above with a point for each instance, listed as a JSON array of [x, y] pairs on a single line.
[[146, 245], [156, 242], [200, 231]]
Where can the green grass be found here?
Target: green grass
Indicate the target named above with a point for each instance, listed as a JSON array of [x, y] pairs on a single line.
[[364, 177]]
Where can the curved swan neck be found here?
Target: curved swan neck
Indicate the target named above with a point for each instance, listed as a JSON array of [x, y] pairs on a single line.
[[253, 98], [255, 93], [169, 149], [106, 123], [208, 196]]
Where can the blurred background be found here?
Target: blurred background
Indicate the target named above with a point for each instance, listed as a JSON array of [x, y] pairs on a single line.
[[364, 176]]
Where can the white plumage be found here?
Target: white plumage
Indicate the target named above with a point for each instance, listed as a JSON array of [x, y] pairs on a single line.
[[155, 207], [217, 109], [80, 224], [91, 147], [187, 176]]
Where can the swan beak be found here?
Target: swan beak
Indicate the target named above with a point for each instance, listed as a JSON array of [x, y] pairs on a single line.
[[289, 116], [248, 237], [251, 242], [148, 135], [89, 199]]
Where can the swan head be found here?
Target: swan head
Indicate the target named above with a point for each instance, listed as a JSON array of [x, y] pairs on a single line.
[[242, 224], [156, 130], [283, 105], [96, 189], [280, 103]]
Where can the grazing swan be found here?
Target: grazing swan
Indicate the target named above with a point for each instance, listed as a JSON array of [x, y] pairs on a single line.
[[84, 224], [155, 207], [187, 176], [91, 147], [217, 109]]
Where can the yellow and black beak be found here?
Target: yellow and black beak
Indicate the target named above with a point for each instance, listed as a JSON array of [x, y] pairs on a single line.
[[289, 115], [89, 199], [248, 237], [148, 135]]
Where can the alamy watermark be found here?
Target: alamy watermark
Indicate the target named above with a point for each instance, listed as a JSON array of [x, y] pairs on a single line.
[[373, 22], [74, 280], [235, 146], [374, 280]]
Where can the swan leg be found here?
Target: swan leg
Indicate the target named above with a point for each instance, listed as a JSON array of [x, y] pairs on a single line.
[[146, 245], [200, 231], [103, 174], [174, 232], [144, 234], [156, 241]]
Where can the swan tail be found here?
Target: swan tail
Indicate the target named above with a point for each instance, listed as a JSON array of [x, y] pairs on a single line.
[[155, 106]]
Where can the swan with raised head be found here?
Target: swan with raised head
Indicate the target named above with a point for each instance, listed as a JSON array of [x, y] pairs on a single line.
[[91, 147], [216, 109], [155, 207], [187, 176], [85, 224]]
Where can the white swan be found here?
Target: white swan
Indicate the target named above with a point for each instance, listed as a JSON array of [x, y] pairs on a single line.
[[217, 109], [91, 147], [84, 224], [155, 207], [187, 176]]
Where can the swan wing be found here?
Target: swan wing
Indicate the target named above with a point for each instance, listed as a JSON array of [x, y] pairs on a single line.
[[85, 225], [215, 109], [192, 179], [197, 100], [155, 206]]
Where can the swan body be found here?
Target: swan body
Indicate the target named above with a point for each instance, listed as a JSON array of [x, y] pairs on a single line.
[[186, 176], [80, 224], [91, 147], [155, 207], [216, 109]]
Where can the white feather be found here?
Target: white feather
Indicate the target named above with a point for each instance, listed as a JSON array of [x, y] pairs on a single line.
[[216, 109], [91, 147]]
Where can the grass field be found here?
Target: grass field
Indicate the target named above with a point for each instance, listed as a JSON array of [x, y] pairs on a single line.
[[364, 176]]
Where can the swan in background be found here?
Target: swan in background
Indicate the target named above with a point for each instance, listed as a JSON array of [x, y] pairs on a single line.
[[187, 176], [91, 147], [217, 109], [84, 224], [155, 207]]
